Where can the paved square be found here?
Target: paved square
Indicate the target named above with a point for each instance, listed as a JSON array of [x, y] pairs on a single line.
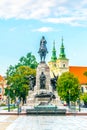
[[43, 122]]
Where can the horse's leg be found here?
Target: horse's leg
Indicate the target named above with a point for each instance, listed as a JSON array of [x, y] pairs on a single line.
[[41, 58], [44, 57]]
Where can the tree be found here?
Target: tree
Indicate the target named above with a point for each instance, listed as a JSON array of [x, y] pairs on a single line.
[[68, 87], [28, 60], [84, 98], [85, 73], [17, 83]]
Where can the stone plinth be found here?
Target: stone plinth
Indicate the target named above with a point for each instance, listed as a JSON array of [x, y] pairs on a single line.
[[31, 99], [43, 67]]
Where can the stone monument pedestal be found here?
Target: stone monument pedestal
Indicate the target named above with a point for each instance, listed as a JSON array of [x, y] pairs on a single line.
[[42, 95], [43, 98], [32, 100], [43, 67]]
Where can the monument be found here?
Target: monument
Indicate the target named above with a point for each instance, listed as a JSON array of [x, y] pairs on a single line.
[[43, 49], [42, 97]]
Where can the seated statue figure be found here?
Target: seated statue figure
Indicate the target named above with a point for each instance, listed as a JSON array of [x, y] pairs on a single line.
[[42, 81]]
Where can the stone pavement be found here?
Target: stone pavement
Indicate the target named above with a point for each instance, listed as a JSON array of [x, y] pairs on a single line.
[[21, 122], [6, 120], [28, 122]]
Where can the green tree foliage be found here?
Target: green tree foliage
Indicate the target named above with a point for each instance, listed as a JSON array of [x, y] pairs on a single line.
[[84, 95], [17, 83], [68, 87], [28, 60], [85, 73], [84, 98]]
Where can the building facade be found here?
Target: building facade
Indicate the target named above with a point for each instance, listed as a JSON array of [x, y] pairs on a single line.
[[2, 88], [61, 64]]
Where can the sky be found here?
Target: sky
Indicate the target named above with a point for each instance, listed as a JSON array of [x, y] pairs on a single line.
[[24, 22]]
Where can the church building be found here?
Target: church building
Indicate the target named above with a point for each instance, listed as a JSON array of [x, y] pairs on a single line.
[[61, 64]]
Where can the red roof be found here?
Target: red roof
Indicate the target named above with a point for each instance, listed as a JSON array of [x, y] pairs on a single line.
[[78, 71]]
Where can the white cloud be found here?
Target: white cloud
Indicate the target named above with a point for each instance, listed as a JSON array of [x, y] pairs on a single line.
[[44, 29], [64, 11], [78, 18], [25, 9]]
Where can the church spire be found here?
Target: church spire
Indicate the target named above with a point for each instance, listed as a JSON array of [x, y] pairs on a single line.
[[54, 57], [62, 52]]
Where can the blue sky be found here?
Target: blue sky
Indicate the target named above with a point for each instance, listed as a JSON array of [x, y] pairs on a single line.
[[24, 22]]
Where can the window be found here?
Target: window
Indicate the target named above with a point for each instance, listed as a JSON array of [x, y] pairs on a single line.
[[63, 65]]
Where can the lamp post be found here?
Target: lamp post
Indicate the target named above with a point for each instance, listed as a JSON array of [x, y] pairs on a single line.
[[69, 99], [79, 102], [14, 97], [8, 99], [79, 106]]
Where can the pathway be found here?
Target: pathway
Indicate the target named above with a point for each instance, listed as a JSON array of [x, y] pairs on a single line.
[[43, 122]]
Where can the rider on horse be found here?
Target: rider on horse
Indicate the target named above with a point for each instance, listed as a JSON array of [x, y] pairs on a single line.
[[43, 49]]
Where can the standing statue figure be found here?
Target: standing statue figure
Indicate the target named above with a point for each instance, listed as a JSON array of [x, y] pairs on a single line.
[[54, 82], [43, 49], [42, 81], [32, 81]]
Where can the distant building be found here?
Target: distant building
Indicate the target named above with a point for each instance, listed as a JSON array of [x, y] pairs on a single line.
[[61, 64], [78, 71], [2, 87]]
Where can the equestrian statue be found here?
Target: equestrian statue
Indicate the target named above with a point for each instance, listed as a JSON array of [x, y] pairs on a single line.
[[43, 49]]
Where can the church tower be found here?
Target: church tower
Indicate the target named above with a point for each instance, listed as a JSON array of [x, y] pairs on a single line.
[[54, 57], [52, 63], [62, 62]]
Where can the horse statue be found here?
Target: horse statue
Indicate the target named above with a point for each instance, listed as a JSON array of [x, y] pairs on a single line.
[[43, 49]]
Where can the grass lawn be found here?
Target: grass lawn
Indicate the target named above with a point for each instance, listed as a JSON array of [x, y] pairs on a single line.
[[11, 107]]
